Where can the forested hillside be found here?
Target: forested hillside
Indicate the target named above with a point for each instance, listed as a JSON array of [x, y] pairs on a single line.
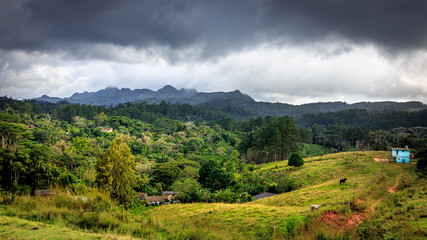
[[43, 149], [45, 143]]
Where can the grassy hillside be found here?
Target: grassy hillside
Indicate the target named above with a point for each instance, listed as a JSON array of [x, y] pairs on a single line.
[[319, 179], [16, 228], [397, 198]]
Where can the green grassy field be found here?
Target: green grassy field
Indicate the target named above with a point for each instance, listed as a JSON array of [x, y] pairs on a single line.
[[283, 216]]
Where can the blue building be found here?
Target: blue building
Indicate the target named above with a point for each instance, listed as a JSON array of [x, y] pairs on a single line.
[[401, 155]]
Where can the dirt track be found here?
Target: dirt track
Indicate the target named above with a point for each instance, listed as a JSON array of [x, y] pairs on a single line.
[[333, 218], [390, 190]]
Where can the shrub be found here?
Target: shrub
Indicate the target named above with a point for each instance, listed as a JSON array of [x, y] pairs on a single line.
[[226, 196], [295, 160], [212, 176], [89, 182], [67, 179], [286, 184], [371, 230], [256, 188], [101, 202], [7, 197], [245, 197]]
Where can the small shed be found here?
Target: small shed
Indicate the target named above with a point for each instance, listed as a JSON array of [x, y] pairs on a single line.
[[170, 194], [141, 195], [401, 155], [155, 200], [263, 195], [44, 192], [107, 130]]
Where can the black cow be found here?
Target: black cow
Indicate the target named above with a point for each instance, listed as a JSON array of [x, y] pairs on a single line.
[[343, 180]]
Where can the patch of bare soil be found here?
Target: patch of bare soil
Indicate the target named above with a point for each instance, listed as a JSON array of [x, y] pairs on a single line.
[[381, 160], [334, 219], [355, 220], [392, 189]]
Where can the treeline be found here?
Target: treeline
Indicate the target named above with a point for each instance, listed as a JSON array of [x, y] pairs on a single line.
[[139, 110], [230, 117], [364, 118], [142, 111], [273, 141], [281, 109]]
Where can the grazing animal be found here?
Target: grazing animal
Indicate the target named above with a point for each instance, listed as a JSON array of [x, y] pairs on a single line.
[[343, 180], [315, 207]]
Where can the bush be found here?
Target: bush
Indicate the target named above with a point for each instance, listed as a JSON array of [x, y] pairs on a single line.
[[256, 188], [89, 182], [371, 229], [245, 197], [226, 196], [212, 176], [67, 179], [295, 160], [7, 197], [286, 184]]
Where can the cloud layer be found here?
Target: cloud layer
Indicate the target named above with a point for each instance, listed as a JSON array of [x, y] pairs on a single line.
[[275, 50]]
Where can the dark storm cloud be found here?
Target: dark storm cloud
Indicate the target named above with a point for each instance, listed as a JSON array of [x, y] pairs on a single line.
[[48, 23], [391, 24], [214, 26]]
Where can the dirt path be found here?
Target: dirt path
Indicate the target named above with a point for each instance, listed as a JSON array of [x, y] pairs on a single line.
[[333, 218], [390, 190]]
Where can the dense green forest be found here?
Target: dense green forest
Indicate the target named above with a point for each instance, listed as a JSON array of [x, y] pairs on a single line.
[[206, 154]]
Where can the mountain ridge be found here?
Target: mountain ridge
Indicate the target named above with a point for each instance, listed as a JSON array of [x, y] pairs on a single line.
[[168, 93], [223, 100]]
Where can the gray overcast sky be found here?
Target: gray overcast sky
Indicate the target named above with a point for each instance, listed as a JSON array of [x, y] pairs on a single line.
[[289, 51]]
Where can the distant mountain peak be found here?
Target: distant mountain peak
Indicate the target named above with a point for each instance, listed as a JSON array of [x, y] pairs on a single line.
[[168, 88], [188, 90], [111, 88]]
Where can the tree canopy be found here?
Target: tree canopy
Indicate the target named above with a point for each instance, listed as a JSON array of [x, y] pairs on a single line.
[[212, 176], [295, 160], [116, 171]]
